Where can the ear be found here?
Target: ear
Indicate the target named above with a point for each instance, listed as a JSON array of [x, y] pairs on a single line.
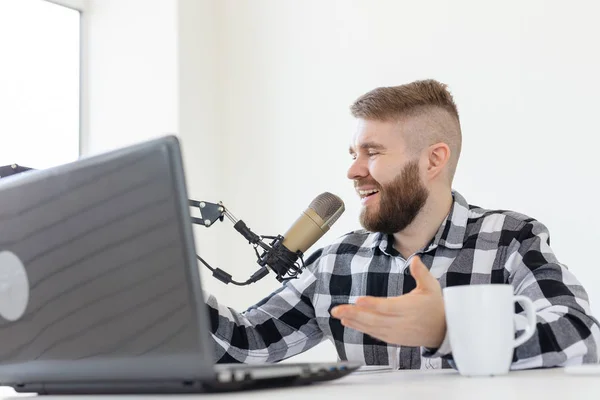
[[437, 157]]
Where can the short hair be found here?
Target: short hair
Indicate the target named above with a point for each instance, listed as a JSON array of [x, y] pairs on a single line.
[[428, 99]]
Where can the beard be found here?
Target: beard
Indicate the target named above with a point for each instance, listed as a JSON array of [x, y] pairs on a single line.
[[400, 201]]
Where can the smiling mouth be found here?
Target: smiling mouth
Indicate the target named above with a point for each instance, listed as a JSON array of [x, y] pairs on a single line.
[[367, 193]]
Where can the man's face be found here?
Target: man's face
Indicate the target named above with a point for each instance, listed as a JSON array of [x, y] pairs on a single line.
[[386, 177]]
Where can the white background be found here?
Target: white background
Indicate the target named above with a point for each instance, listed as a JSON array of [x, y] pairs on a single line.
[[259, 94]]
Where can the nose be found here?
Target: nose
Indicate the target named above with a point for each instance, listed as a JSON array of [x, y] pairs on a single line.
[[358, 169]]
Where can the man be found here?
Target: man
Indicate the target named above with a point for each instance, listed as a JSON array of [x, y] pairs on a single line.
[[377, 293]]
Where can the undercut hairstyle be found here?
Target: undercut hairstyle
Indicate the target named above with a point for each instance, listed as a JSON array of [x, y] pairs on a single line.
[[428, 103]]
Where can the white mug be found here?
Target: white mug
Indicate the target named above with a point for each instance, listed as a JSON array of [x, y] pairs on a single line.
[[480, 320]]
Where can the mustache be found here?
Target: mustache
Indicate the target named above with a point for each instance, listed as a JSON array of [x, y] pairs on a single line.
[[367, 182]]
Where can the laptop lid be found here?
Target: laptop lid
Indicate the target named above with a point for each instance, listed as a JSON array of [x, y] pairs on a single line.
[[98, 275]]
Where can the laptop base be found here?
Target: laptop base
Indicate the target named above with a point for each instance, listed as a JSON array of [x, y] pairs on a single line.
[[239, 378]]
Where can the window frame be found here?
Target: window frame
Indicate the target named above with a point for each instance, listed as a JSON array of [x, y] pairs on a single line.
[[81, 6]]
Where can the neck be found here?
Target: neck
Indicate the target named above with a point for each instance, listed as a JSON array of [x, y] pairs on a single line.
[[425, 225]]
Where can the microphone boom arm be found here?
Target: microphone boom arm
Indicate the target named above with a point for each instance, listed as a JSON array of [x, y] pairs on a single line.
[[272, 252]]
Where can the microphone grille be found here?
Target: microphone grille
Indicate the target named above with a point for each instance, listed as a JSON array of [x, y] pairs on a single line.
[[328, 206]]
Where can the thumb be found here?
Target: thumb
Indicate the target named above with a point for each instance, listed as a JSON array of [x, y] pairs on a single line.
[[425, 281]]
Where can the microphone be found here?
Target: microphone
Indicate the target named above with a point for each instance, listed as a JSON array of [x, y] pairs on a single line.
[[284, 255], [310, 226]]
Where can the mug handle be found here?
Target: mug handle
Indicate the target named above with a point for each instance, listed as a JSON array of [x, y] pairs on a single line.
[[531, 319]]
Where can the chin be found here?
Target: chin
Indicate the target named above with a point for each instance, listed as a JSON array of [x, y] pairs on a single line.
[[365, 216]]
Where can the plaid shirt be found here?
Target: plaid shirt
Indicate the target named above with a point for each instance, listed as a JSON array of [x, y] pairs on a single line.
[[472, 246]]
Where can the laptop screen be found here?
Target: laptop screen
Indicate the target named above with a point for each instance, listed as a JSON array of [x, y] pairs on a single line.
[[106, 263]]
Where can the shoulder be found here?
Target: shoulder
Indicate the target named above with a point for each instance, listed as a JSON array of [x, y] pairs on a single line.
[[508, 223]]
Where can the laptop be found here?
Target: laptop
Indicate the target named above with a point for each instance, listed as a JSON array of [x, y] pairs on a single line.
[[99, 285]]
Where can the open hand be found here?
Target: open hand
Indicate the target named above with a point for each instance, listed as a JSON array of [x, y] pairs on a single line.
[[413, 319]]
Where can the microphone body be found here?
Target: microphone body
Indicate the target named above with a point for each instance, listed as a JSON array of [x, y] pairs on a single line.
[[310, 226], [305, 231]]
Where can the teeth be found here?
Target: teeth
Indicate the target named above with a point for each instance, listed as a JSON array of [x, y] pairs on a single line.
[[367, 192]]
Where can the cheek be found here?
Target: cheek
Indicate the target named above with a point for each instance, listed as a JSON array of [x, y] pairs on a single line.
[[383, 174]]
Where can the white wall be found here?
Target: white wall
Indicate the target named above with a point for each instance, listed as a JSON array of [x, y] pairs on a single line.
[[132, 68], [281, 75], [200, 119], [153, 70]]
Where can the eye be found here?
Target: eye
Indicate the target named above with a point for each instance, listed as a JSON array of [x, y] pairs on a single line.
[[353, 156], [372, 153]]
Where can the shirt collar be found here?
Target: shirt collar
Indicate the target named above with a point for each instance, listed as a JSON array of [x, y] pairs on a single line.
[[450, 234]]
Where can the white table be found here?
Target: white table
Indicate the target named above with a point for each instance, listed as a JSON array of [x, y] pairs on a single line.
[[547, 384]]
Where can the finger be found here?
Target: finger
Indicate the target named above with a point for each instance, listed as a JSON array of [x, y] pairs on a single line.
[[425, 281], [341, 310], [359, 313], [367, 317], [393, 306]]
